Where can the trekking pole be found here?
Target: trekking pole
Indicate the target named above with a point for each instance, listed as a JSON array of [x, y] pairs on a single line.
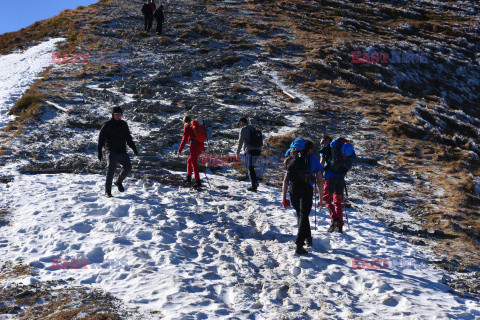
[[206, 166], [345, 207], [315, 200], [195, 146], [206, 177]]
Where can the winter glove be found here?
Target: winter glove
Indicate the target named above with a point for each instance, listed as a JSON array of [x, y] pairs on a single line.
[[286, 203]]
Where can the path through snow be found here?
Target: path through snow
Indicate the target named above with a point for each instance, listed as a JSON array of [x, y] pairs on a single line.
[[218, 253], [19, 70]]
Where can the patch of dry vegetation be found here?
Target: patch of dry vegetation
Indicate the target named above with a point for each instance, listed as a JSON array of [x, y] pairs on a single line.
[[45, 301], [71, 24], [11, 271]]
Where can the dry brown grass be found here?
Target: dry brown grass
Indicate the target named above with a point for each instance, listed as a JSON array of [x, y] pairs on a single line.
[[66, 24], [278, 144], [11, 271], [237, 88], [26, 106], [64, 305]]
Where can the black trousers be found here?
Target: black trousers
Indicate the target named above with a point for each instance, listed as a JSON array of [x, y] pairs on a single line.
[[159, 26], [148, 23], [112, 160], [250, 160], [301, 199]]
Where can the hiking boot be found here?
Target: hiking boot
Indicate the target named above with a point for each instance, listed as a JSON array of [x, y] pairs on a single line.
[[333, 227], [119, 186], [188, 179], [339, 229], [197, 185], [108, 193], [300, 250], [252, 188], [309, 242]]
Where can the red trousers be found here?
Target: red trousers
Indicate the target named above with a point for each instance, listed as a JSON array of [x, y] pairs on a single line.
[[333, 197], [196, 149]]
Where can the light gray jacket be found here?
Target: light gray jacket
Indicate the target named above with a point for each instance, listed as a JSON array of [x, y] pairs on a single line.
[[242, 140]]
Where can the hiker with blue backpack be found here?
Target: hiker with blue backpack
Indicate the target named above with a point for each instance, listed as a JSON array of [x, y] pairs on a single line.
[[337, 157], [194, 133], [303, 169], [251, 141]]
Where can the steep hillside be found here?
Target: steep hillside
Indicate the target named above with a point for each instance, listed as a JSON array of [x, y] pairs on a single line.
[[398, 78], [418, 109]]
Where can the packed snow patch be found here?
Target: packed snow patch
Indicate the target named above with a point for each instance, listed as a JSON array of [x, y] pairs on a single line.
[[219, 253], [19, 70]]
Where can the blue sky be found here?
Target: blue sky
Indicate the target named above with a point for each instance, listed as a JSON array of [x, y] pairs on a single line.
[[15, 15]]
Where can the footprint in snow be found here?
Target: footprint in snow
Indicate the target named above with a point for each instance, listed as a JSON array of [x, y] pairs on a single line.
[[390, 301], [120, 211], [96, 255], [61, 246], [122, 240], [144, 235], [82, 227]]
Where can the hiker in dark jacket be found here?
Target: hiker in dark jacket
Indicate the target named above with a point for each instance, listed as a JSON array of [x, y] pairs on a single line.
[[251, 153], [159, 18], [302, 168], [115, 136], [148, 15], [196, 149], [334, 184], [154, 7]]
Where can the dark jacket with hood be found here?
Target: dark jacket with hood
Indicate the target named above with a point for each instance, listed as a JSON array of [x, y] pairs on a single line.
[[147, 11], [115, 136], [158, 14]]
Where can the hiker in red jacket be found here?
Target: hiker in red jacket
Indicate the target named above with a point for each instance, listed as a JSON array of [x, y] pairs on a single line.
[[196, 148]]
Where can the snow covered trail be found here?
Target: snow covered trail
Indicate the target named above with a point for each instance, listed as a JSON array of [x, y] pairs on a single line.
[[19, 70], [218, 253]]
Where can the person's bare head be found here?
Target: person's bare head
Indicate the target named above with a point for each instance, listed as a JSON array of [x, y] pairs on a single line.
[[243, 121], [187, 120], [325, 140]]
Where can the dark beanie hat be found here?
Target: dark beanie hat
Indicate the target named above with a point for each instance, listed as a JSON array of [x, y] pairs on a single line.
[[117, 110], [242, 119]]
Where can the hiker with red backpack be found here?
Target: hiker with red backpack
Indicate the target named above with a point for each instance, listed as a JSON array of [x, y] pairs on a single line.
[[336, 156], [193, 132], [303, 169], [251, 140]]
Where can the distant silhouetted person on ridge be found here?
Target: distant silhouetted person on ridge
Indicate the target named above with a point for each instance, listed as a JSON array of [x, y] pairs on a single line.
[[148, 15], [159, 17]]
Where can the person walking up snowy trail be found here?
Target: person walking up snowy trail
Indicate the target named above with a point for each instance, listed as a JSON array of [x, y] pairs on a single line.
[[302, 170], [196, 148], [114, 136], [250, 140], [336, 157]]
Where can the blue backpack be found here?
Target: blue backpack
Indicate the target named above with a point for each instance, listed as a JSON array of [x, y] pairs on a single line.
[[341, 157]]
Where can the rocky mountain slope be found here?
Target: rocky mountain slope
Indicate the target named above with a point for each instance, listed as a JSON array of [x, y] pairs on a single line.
[[295, 68]]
